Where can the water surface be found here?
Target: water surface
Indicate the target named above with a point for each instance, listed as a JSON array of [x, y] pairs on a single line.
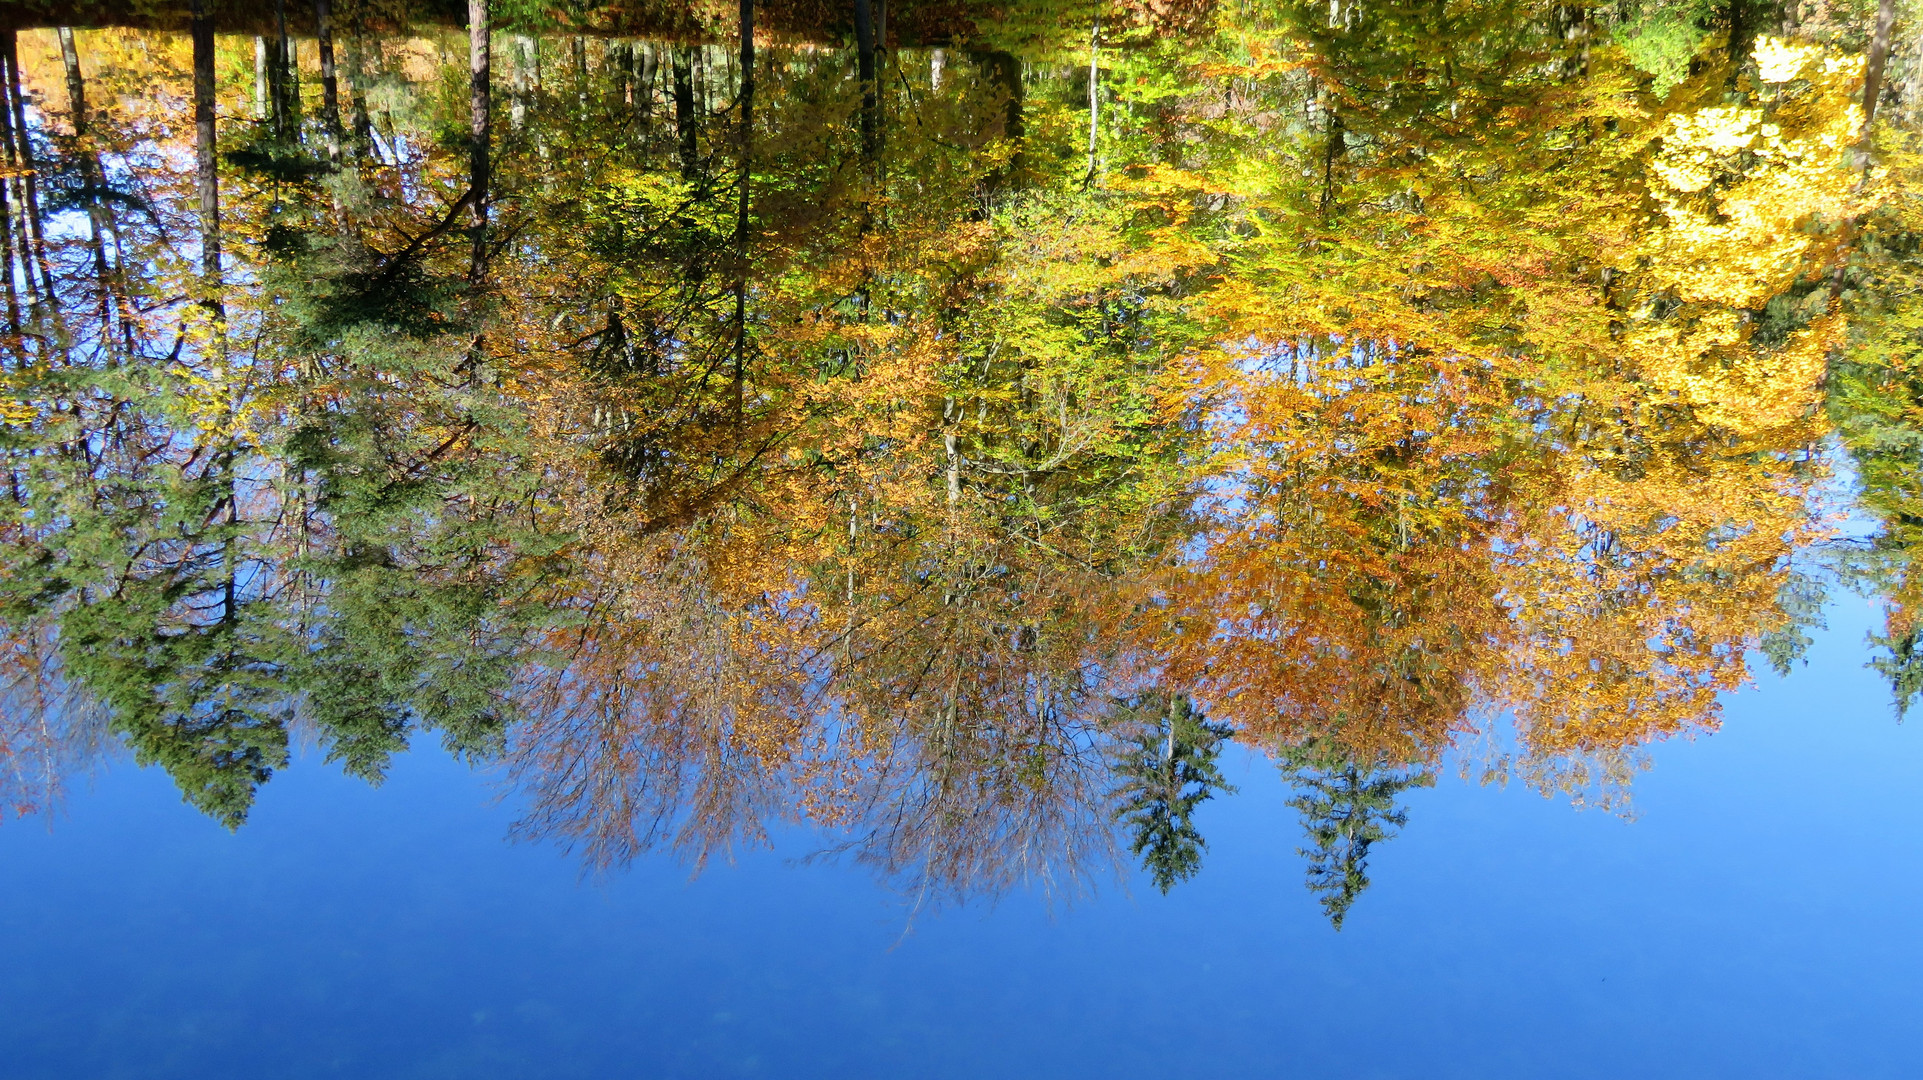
[[1066, 541]]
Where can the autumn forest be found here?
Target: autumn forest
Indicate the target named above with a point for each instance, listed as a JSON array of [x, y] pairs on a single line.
[[948, 429]]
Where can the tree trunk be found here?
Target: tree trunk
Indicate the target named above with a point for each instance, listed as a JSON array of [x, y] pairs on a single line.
[[206, 175], [1879, 55], [1094, 96], [1005, 70], [6, 270], [741, 209], [12, 197], [98, 218], [950, 414], [262, 79], [1168, 753], [578, 52], [287, 100], [207, 179], [848, 636], [645, 65], [865, 64], [617, 66], [1872, 89], [330, 88], [1171, 788], [684, 119], [480, 62], [520, 81], [1336, 146], [357, 119], [1742, 36], [704, 80], [33, 237]]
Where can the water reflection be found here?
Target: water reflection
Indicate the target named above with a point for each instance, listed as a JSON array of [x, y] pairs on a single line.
[[949, 449]]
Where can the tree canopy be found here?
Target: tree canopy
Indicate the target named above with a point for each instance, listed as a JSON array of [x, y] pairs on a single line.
[[948, 434]]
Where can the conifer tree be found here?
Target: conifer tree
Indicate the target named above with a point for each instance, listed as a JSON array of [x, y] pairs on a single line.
[[1167, 769], [1347, 805]]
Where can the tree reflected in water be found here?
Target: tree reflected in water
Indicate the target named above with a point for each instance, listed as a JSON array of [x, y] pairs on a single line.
[[943, 432]]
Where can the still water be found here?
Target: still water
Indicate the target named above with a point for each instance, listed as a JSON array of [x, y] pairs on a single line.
[[1076, 540], [1755, 919]]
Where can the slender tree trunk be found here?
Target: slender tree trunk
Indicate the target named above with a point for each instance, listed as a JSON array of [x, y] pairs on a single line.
[[1742, 36], [6, 268], [287, 86], [33, 237], [1094, 96], [703, 82], [277, 87], [12, 197], [330, 87], [105, 226], [35, 224], [1872, 90], [848, 636], [1879, 55], [1168, 755], [206, 175], [480, 63], [741, 209], [207, 179], [1004, 69], [865, 65], [684, 119], [357, 119], [229, 590], [950, 413], [1337, 145], [578, 52], [646, 65], [520, 81], [262, 78], [617, 69], [90, 177]]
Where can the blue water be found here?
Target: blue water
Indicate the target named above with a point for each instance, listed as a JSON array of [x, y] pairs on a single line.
[[1759, 918]]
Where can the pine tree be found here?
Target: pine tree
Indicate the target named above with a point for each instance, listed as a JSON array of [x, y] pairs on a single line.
[[1347, 806], [1167, 769]]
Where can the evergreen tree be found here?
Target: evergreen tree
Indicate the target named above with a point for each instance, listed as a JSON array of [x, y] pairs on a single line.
[[1167, 769], [1347, 805]]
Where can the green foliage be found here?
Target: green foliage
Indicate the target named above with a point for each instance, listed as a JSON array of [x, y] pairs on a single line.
[[204, 703], [1347, 806], [1663, 37], [1875, 399], [395, 650], [174, 644], [1167, 769], [1802, 599]]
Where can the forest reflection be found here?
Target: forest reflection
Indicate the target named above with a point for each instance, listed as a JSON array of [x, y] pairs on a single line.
[[952, 449]]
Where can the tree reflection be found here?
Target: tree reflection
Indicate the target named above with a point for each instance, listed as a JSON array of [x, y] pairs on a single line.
[[1347, 806], [944, 451], [1167, 769]]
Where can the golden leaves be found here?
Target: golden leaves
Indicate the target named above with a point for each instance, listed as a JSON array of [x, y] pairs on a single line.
[[1504, 437]]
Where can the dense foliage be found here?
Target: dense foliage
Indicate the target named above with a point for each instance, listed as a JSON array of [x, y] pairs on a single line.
[[918, 442]]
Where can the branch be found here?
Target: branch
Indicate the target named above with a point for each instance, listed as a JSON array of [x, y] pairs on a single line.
[[393, 262]]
